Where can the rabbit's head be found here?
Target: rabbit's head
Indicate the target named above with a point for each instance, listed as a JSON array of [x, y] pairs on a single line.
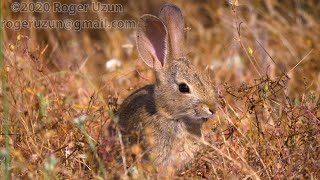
[[181, 91]]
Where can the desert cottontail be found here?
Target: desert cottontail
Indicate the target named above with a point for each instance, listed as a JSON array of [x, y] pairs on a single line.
[[174, 108]]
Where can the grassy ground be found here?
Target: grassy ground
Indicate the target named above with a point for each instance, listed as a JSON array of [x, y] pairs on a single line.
[[262, 55]]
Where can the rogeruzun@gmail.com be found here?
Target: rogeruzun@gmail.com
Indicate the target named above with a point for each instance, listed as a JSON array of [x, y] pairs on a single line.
[[67, 24]]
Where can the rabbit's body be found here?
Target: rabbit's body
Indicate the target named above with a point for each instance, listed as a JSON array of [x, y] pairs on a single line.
[[172, 110], [174, 140], [171, 142]]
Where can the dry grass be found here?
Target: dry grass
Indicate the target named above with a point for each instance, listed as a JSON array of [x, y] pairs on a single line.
[[263, 57]]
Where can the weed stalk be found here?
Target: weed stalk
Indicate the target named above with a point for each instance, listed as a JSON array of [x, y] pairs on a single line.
[[5, 106]]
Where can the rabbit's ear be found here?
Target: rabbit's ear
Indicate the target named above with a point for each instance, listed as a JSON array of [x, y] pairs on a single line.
[[173, 19], [152, 40]]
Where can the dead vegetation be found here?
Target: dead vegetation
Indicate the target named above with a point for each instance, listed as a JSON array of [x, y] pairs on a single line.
[[262, 55]]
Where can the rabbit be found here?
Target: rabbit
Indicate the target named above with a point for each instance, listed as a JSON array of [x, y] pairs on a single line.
[[174, 108]]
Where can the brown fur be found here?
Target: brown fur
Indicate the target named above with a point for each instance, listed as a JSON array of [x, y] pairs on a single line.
[[174, 118]]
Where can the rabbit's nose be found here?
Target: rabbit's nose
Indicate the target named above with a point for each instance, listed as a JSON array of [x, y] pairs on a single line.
[[211, 109]]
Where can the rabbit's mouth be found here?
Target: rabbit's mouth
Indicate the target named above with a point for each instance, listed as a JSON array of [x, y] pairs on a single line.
[[204, 119], [202, 115], [196, 118]]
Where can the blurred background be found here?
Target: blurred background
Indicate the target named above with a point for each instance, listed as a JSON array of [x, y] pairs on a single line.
[[56, 74], [286, 31]]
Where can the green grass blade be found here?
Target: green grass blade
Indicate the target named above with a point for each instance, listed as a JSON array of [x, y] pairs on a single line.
[[5, 105]]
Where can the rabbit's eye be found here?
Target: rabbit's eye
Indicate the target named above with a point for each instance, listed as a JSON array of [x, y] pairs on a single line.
[[184, 88]]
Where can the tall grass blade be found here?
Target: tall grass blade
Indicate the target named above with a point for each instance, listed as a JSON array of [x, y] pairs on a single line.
[[5, 105]]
